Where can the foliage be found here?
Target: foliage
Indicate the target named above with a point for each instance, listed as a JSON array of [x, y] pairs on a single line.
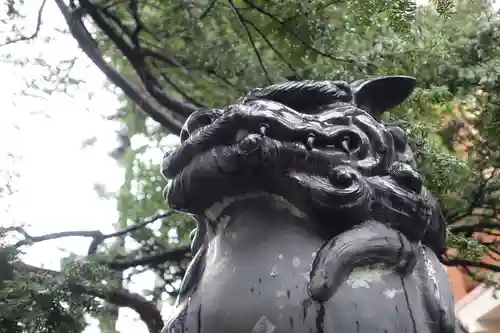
[[172, 57], [34, 301]]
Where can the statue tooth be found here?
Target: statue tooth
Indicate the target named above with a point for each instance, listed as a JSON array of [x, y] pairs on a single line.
[[346, 144], [310, 142], [241, 134], [263, 129]]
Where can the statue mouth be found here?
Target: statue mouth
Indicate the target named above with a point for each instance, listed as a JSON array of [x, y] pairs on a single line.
[[307, 137], [261, 145]]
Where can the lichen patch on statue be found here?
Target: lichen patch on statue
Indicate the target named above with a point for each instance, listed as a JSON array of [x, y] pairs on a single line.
[[363, 277], [299, 168]]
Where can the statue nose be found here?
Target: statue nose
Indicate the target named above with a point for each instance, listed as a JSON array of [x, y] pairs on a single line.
[[197, 120]]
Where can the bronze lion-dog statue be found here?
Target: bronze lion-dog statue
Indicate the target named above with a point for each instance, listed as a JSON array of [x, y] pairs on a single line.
[[312, 217]]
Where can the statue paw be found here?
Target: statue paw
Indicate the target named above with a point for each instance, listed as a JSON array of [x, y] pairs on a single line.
[[370, 243]]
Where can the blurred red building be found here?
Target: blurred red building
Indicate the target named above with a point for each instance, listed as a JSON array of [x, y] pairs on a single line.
[[476, 304]]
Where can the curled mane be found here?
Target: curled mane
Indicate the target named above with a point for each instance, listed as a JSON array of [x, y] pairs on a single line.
[[305, 95]]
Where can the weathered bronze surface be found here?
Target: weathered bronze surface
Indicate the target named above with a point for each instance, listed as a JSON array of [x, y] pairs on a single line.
[[311, 216]]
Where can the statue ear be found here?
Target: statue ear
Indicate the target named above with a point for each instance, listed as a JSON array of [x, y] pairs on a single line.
[[379, 94]]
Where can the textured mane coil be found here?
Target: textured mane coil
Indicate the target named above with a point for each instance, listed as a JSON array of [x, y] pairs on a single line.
[[305, 95]]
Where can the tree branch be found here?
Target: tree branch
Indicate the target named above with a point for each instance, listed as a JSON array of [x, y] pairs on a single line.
[[478, 197], [468, 263], [136, 60], [152, 260], [170, 120], [34, 34], [470, 228], [95, 242], [147, 311], [275, 50], [252, 4], [98, 236], [251, 40], [208, 9]]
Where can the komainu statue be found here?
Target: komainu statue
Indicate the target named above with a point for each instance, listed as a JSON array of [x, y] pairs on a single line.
[[311, 216]]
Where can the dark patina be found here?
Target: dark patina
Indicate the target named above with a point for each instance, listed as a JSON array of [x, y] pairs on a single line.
[[311, 216]]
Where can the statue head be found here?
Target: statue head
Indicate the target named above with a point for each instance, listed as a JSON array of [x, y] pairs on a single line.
[[320, 145]]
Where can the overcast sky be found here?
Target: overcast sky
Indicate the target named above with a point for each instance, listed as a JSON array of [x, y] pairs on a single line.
[[55, 189]]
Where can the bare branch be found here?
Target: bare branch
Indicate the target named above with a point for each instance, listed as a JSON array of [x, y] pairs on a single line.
[[98, 236], [147, 103], [34, 34], [152, 260], [35, 239], [95, 242]]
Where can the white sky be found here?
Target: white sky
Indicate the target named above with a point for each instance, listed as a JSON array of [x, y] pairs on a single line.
[[55, 189]]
